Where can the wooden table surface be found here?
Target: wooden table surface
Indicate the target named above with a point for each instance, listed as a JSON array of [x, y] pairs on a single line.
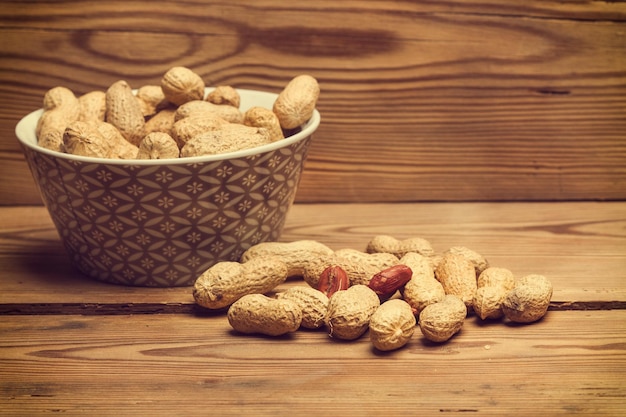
[[70, 346]]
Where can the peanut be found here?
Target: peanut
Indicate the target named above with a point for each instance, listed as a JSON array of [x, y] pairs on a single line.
[[313, 303], [369, 264], [296, 102], [58, 97], [181, 85], [230, 138], [51, 139], [435, 300], [185, 129], [224, 94], [225, 282], [296, 254], [151, 99], [333, 279], [399, 248], [457, 276], [84, 139], [422, 289], [529, 299], [435, 260], [55, 120], [262, 117], [257, 313], [440, 321], [120, 147], [156, 108], [479, 261], [124, 112], [349, 312], [92, 106], [158, 145], [493, 285], [392, 325], [204, 108], [388, 281], [61, 107], [360, 267], [163, 121]]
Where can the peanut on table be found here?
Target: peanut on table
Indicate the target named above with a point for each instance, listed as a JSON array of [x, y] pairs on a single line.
[[390, 290]]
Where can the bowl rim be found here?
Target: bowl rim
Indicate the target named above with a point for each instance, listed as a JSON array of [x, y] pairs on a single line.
[[25, 132]]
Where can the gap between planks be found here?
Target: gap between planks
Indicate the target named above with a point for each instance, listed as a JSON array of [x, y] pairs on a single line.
[[94, 309]]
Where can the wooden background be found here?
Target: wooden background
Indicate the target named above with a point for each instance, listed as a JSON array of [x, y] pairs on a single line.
[[421, 101]]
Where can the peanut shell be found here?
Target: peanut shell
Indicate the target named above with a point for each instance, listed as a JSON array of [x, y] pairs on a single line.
[[124, 112], [185, 129], [84, 139], [151, 99], [120, 147], [479, 261], [225, 282], [230, 138], [423, 289], [181, 85], [163, 121], [158, 145], [392, 325], [313, 303], [257, 313], [51, 139], [224, 94], [296, 102], [457, 276], [440, 321], [92, 106], [58, 97], [61, 107], [529, 300], [349, 312], [399, 248], [262, 117], [493, 285], [204, 108], [295, 254]]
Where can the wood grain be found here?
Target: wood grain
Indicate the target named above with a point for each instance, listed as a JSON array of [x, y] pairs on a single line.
[[579, 246], [433, 101], [73, 346], [163, 365]]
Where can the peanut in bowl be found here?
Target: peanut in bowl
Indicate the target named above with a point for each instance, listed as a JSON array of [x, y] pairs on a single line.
[[162, 222]]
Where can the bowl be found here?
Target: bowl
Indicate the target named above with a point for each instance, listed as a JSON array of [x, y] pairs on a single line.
[[161, 223]]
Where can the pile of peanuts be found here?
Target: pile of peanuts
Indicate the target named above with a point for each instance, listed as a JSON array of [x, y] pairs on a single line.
[[390, 289], [174, 119]]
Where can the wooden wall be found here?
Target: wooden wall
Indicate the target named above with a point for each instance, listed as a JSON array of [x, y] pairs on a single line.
[[436, 100]]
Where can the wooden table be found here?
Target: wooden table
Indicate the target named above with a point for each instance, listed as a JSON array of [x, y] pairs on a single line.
[[70, 346]]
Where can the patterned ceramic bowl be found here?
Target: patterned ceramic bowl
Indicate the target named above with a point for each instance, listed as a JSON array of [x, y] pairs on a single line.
[[161, 223]]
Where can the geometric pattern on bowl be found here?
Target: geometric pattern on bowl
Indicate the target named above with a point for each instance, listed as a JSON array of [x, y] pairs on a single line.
[[163, 225]]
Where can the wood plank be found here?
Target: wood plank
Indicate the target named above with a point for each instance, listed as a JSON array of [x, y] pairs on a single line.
[[162, 365], [579, 246], [456, 101]]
